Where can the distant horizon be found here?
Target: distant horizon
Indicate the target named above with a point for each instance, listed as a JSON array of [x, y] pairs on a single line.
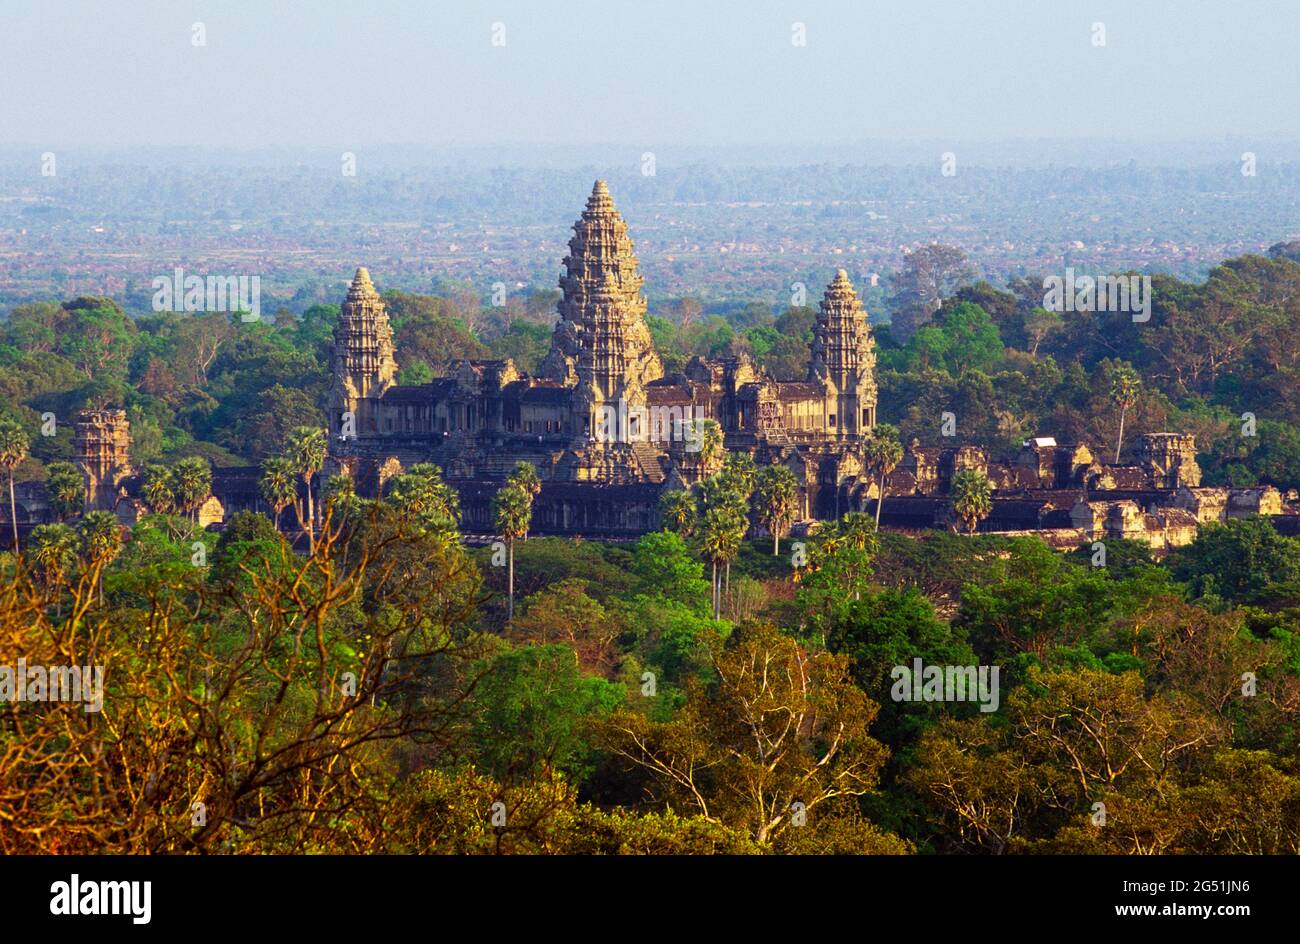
[[769, 74]]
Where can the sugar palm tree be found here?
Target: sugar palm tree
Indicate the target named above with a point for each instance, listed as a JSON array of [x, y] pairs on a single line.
[[101, 542], [972, 497], [1125, 387], [66, 487], [677, 511], [278, 485], [14, 444], [306, 450], [723, 521], [158, 489], [776, 495], [526, 477], [421, 493], [193, 484], [882, 452], [514, 512], [54, 552]]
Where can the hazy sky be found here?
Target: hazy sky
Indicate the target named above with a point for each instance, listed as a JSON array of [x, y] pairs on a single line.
[[648, 74]]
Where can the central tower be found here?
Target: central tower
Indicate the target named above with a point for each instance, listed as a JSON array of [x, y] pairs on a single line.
[[601, 344]]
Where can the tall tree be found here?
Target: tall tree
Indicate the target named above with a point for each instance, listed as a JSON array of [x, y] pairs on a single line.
[[14, 445], [972, 497], [54, 552], [779, 731], [776, 497], [514, 512], [677, 511], [882, 452], [66, 487], [306, 450], [158, 489], [928, 274], [723, 521], [1125, 388], [193, 478], [525, 476], [278, 485]]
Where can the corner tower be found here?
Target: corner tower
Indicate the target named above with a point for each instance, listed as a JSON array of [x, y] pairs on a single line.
[[364, 366], [102, 440], [844, 360], [601, 344]]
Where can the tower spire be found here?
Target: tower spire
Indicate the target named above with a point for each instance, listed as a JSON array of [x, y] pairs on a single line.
[[364, 366], [844, 359], [601, 340]]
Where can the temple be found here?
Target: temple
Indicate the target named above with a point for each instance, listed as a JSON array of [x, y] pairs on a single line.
[[607, 430], [610, 431]]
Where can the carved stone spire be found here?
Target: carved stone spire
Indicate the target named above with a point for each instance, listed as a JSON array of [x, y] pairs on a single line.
[[364, 366], [102, 440], [601, 340], [844, 359], [363, 340]]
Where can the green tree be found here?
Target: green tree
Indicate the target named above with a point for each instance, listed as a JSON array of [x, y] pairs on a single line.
[[66, 487], [54, 552], [723, 522], [101, 542], [776, 497], [677, 511], [306, 450], [158, 489], [278, 485], [513, 511], [531, 708], [972, 498], [193, 483], [882, 452], [1236, 559], [525, 476], [422, 493], [1125, 388], [14, 446]]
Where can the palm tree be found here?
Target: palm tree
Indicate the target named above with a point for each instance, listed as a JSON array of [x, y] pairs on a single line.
[[708, 434], [54, 551], [422, 493], [677, 511], [66, 488], [740, 473], [972, 497], [278, 486], [514, 512], [158, 489], [1125, 386], [306, 450], [723, 522], [776, 495], [14, 444], [525, 476], [882, 452], [101, 541], [193, 482]]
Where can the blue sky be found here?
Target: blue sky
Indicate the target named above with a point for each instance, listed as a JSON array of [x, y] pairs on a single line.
[[642, 74]]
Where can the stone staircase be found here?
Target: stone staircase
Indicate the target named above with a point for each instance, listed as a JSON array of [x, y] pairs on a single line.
[[648, 458]]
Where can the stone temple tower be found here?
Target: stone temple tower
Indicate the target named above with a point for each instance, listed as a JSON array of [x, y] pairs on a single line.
[[601, 344], [1169, 459], [844, 360], [364, 366], [102, 440]]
